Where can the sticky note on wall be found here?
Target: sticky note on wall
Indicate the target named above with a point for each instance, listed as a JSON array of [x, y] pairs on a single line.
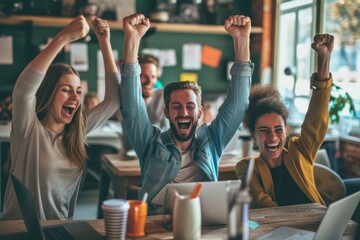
[[192, 77], [211, 56]]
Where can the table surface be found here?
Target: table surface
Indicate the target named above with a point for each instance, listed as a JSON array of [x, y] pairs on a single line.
[[305, 216], [123, 171], [121, 164]]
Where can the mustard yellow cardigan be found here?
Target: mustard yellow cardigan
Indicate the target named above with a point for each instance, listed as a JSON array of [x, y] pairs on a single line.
[[300, 156]]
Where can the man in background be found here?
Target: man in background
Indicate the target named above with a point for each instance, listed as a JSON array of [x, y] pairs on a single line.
[[153, 97], [91, 99]]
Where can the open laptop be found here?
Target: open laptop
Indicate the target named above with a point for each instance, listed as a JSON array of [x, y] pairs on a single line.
[[332, 225], [213, 199], [72, 230]]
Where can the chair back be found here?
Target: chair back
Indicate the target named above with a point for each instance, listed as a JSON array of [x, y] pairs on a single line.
[[329, 184], [323, 158]]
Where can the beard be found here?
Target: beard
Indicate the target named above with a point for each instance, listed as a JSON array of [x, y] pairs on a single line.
[[146, 93], [183, 138]]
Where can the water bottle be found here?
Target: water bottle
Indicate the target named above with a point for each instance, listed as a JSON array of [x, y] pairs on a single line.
[[238, 211]]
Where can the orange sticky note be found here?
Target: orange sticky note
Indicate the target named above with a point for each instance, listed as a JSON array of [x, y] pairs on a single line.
[[211, 56], [192, 77]]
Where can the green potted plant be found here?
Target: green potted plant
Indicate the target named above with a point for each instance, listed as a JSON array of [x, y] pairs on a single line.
[[339, 99]]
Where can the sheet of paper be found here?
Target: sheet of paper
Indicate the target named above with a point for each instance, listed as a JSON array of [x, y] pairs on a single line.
[[191, 59], [152, 51], [167, 57], [101, 72], [211, 56], [192, 77], [6, 50], [100, 62], [79, 56]]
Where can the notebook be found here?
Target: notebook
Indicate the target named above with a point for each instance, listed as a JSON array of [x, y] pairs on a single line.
[[332, 225], [213, 199], [72, 230]]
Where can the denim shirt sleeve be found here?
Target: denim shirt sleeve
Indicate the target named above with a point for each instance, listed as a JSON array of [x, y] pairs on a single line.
[[136, 121], [231, 112]]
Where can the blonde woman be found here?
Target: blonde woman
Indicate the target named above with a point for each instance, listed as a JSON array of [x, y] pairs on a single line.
[[48, 135]]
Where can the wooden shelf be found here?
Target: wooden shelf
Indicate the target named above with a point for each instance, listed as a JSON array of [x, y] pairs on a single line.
[[44, 21]]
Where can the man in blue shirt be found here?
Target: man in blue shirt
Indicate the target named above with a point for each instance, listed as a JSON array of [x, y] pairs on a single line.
[[185, 152], [152, 96]]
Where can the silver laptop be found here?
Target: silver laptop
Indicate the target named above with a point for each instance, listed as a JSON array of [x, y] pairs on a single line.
[[332, 226], [73, 230], [213, 199]]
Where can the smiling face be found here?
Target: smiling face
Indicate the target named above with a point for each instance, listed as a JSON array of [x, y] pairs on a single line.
[[66, 102], [183, 113], [270, 135], [148, 79]]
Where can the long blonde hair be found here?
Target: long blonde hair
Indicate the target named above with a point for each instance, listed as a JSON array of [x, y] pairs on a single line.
[[74, 133]]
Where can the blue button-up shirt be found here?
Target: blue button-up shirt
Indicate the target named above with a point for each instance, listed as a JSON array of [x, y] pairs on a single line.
[[160, 159]]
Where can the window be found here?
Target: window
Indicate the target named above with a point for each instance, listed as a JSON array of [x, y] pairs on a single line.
[[297, 24], [341, 18]]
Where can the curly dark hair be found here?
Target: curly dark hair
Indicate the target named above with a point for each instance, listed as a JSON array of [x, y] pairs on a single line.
[[263, 100]]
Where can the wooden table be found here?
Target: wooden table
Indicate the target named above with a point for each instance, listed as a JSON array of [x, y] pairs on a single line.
[[306, 216], [122, 171]]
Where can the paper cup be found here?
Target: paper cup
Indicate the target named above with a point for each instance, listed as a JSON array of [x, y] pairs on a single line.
[[115, 218]]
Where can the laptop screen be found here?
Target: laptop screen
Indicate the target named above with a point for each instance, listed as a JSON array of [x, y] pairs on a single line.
[[28, 209], [213, 199], [68, 230]]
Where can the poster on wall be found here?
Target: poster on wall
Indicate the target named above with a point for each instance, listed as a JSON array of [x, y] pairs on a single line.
[[79, 56], [191, 59], [167, 57], [101, 72], [6, 50]]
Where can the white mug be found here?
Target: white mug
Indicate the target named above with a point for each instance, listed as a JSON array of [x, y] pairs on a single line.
[[247, 148], [187, 218]]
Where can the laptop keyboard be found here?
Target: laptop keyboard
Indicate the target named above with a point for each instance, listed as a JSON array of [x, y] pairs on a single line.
[[57, 233], [302, 236]]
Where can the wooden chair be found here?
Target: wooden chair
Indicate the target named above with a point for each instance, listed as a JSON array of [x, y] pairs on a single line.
[[329, 184], [323, 158]]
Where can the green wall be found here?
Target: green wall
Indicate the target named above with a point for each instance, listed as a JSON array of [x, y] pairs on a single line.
[[26, 39]]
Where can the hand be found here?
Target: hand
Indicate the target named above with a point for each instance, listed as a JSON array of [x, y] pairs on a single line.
[[136, 25], [101, 29], [238, 26], [76, 29], [323, 44]]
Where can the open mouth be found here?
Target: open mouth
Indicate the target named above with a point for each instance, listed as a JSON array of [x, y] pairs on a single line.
[[184, 124], [273, 147], [68, 109]]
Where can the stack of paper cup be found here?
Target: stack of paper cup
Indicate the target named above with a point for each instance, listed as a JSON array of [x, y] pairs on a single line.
[[115, 217]]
